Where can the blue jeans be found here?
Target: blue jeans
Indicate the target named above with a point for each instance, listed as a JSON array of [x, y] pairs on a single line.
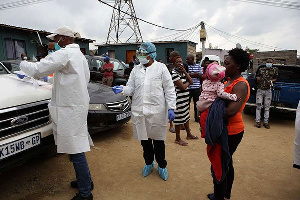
[[82, 174]]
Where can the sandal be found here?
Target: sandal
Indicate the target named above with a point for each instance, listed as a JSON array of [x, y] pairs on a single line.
[[181, 142], [193, 137]]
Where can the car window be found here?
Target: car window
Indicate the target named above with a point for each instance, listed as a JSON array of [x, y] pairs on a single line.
[[116, 65], [95, 65], [288, 74], [89, 63], [99, 64]]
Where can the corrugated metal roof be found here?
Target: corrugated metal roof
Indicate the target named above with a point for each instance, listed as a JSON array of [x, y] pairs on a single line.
[[156, 42], [40, 31]]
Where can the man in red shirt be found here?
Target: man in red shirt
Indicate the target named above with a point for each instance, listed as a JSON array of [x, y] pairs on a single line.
[[108, 75]]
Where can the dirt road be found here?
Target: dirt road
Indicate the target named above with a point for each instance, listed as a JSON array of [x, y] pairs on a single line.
[[263, 166]]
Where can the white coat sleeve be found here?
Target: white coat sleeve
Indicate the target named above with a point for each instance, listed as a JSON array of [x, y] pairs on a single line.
[[169, 89], [129, 89], [48, 65]]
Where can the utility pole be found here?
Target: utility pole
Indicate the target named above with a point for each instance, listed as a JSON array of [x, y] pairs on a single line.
[[203, 37], [123, 25]]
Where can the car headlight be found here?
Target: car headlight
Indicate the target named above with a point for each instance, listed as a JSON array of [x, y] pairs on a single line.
[[97, 107]]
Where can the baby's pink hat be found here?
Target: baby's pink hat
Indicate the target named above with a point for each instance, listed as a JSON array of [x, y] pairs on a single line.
[[215, 72]]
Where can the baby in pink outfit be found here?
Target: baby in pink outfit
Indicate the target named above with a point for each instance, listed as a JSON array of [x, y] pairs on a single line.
[[213, 88]]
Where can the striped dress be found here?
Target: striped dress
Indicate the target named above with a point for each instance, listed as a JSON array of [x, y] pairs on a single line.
[[182, 111]]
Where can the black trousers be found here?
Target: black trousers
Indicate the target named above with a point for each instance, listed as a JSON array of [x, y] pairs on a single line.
[[156, 148], [195, 93], [224, 188]]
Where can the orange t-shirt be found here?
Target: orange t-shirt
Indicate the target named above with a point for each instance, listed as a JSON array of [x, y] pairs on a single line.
[[236, 123]]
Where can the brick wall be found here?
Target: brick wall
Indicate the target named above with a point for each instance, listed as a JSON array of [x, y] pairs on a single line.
[[288, 57]]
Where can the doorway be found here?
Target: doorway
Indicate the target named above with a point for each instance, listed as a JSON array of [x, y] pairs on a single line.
[[129, 55]]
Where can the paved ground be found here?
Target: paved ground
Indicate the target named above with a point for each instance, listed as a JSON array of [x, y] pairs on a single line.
[[263, 166]]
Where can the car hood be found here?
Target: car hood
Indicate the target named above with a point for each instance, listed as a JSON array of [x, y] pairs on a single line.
[[102, 94], [15, 91]]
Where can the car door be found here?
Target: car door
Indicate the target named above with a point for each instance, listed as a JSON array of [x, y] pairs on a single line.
[[286, 91]]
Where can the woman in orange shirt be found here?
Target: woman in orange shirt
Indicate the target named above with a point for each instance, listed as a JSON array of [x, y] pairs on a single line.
[[236, 63]]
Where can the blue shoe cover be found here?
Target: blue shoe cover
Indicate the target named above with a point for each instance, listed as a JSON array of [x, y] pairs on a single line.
[[148, 169], [163, 173]]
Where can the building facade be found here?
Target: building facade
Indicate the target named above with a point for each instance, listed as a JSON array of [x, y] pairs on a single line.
[[286, 57], [17, 40], [126, 51]]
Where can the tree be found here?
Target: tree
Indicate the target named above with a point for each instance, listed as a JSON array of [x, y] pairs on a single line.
[[251, 51]]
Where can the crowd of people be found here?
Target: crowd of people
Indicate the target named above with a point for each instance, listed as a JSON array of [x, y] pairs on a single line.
[[219, 95], [161, 94]]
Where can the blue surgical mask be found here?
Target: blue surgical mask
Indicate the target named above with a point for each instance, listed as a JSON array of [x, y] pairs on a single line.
[[57, 47], [269, 64]]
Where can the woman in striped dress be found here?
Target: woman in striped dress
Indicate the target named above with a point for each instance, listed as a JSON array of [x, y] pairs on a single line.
[[181, 81]]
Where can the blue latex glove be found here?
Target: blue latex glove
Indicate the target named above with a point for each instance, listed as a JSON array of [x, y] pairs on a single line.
[[20, 76], [117, 89], [45, 78], [171, 115]]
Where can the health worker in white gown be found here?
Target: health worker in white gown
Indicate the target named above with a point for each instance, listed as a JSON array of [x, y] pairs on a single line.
[[153, 102], [69, 103]]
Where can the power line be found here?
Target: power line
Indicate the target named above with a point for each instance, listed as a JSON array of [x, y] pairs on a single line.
[[20, 3], [171, 29], [280, 4], [240, 38], [226, 36]]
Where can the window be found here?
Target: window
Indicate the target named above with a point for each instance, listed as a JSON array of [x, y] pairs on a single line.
[[116, 65], [14, 48], [98, 64], [95, 65], [168, 51], [112, 53], [288, 74]]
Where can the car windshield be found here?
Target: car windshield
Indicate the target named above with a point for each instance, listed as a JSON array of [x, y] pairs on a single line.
[[12, 65], [2, 70]]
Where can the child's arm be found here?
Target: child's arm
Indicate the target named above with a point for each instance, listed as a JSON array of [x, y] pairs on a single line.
[[225, 95]]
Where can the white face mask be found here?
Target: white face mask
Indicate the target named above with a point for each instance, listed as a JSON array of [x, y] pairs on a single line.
[[269, 64], [143, 60], [25, 58]]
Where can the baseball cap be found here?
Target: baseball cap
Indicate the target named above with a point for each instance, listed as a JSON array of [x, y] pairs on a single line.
[[64, 30]]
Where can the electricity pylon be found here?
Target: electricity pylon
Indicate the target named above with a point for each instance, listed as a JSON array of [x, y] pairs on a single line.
[[123, 26]]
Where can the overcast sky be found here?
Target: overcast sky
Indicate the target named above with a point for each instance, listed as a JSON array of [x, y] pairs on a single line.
[[277, 27]]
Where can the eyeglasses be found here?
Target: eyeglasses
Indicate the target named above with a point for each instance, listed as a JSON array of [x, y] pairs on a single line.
[[143, 52]]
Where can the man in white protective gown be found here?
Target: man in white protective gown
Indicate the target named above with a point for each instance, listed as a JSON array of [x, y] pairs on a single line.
[[153, 102], [69, 103]]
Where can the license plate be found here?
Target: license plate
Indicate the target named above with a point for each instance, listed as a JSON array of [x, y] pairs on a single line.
[[123, 116], [20, 145]]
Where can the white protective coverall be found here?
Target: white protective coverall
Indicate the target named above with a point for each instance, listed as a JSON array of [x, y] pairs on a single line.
[[70, 99], [297, 139], [153, 93]]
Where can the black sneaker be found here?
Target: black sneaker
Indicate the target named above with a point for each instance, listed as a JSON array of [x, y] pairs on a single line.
[[74, 184], [79, 197]]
